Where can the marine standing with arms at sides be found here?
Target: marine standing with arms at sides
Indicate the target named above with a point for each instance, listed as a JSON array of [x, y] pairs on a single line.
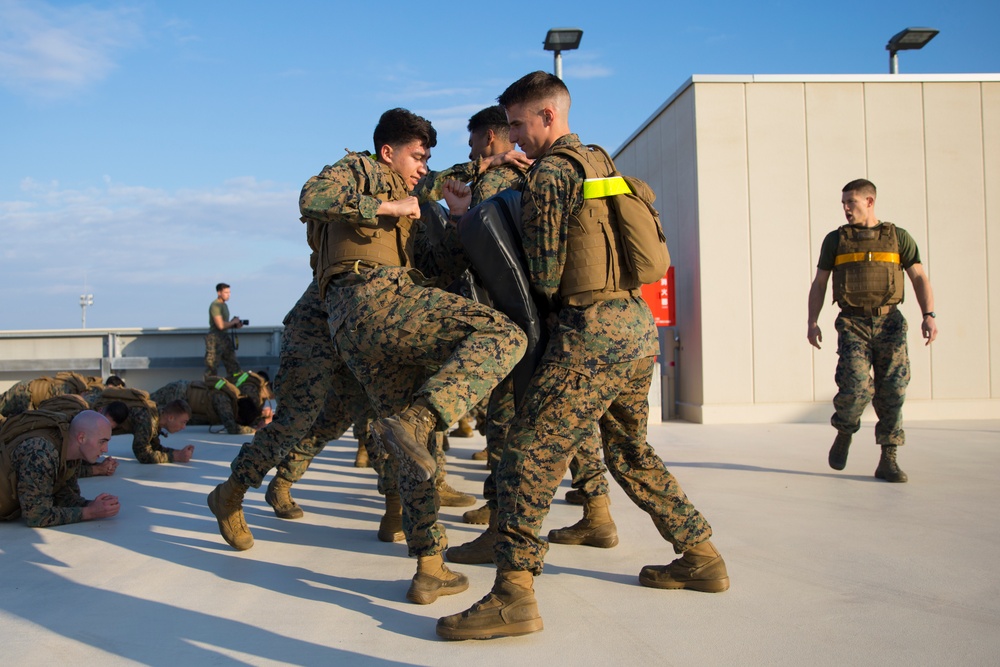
[[595, 373], [867, 258]]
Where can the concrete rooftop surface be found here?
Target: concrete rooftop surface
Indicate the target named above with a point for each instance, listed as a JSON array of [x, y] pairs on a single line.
[[827, 568]]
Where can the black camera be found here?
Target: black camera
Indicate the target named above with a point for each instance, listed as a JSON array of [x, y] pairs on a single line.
[[245, 323]]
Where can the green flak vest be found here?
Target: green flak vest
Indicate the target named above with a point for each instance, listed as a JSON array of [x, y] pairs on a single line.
[[866, 271], [593, 269]]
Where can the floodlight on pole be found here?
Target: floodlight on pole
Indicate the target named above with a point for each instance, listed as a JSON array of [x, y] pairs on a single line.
[[559, 40], [85, 300], [910, 39]]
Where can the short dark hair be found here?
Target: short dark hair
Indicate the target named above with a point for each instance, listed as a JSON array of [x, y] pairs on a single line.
[[532, 88], [490, 118], [220, 287], [176, 407], [247, 411], [116, 411], [397, 127], [114, 381], [862, 186]]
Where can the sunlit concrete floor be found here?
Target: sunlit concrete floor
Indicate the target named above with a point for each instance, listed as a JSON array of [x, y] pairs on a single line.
[[827, 568]]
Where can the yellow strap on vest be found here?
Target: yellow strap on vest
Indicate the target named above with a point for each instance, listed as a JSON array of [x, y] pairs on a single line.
[[220, 384], [892, 257], [241, 379], [595, 188]]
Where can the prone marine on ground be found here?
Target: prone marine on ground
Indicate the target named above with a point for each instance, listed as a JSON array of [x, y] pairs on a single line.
[[40, 451], [867, 258]]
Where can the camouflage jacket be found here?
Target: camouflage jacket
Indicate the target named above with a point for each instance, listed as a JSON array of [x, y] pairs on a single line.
[[349, 193], [496, 179], [607, 332], [48, 492]]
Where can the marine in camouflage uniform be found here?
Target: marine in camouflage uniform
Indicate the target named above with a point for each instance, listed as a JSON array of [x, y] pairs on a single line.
[[416, 350], [28, 394], [46, 488], [219, 344], [594, 377], [867, 258], [221, 405]]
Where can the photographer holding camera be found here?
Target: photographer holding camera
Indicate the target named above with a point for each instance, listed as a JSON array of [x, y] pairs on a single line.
[[217, 343]]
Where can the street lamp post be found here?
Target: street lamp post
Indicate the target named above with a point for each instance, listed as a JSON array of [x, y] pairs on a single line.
[[907, 40], [85, 300], [559, 40]]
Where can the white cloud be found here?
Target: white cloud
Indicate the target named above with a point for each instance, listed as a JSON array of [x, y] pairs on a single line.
[[50, 51]]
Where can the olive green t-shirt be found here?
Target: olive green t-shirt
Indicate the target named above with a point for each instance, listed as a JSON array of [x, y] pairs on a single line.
[[908, 253], [217, 308]]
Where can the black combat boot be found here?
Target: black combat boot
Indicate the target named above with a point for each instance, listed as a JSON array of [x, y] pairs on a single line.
[[838, 453], [887, 468]]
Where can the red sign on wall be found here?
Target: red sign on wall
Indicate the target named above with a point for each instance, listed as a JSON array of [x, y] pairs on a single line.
[[660, 297]]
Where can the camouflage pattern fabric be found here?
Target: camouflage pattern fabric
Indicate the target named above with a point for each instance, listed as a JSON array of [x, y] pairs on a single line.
[[866, 345], [48, 496], [495, 180], [593, 381], [219, 347], [309, 386], [404, 341], [222, 407], [144, 424], [16, 400]]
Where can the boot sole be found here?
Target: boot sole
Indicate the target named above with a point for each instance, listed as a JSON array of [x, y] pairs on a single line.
[[214, 510], [507, 630], [605, 543], [459, 502], [701, 585], [427, 597], [395, 537]]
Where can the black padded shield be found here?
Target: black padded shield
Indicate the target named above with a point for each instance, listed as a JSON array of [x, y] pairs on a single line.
[[491, 236]]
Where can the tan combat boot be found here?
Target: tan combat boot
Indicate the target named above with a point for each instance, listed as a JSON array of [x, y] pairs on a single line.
[[407, 436], [463, 430], [361, 458], [451, 497], [226, 503], [478, 516], [481, 455], [390, 528], [508, 610], [433, 579], [838, 452], [700, 568], [595, 529], [279, 497], [887, 468], [479, 550]]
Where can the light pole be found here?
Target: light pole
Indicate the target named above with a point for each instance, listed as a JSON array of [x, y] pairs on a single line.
[[907, 40], [85, 300], [559, 40]]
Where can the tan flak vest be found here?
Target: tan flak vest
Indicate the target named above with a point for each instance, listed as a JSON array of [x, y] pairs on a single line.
[[252, 385], [866, 270], [199, 397], [593, 269], [54, 426], [65, 382], [133, 398], [388, 243]]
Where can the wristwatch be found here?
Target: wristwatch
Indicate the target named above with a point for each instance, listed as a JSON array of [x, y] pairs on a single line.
[[930, 314]]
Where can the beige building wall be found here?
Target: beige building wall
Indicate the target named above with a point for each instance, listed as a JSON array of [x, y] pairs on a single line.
[[748, 172]]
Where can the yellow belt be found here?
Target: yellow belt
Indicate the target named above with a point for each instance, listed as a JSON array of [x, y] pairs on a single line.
[[892, 257]]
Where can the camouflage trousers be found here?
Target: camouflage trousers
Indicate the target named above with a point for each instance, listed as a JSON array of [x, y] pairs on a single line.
[[15, 400], [317, 396], [867, 346], [219, 347], [586, 467], [403, 341], [564, 407]]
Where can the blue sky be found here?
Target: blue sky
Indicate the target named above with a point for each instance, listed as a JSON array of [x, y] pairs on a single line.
[[151, 149]]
